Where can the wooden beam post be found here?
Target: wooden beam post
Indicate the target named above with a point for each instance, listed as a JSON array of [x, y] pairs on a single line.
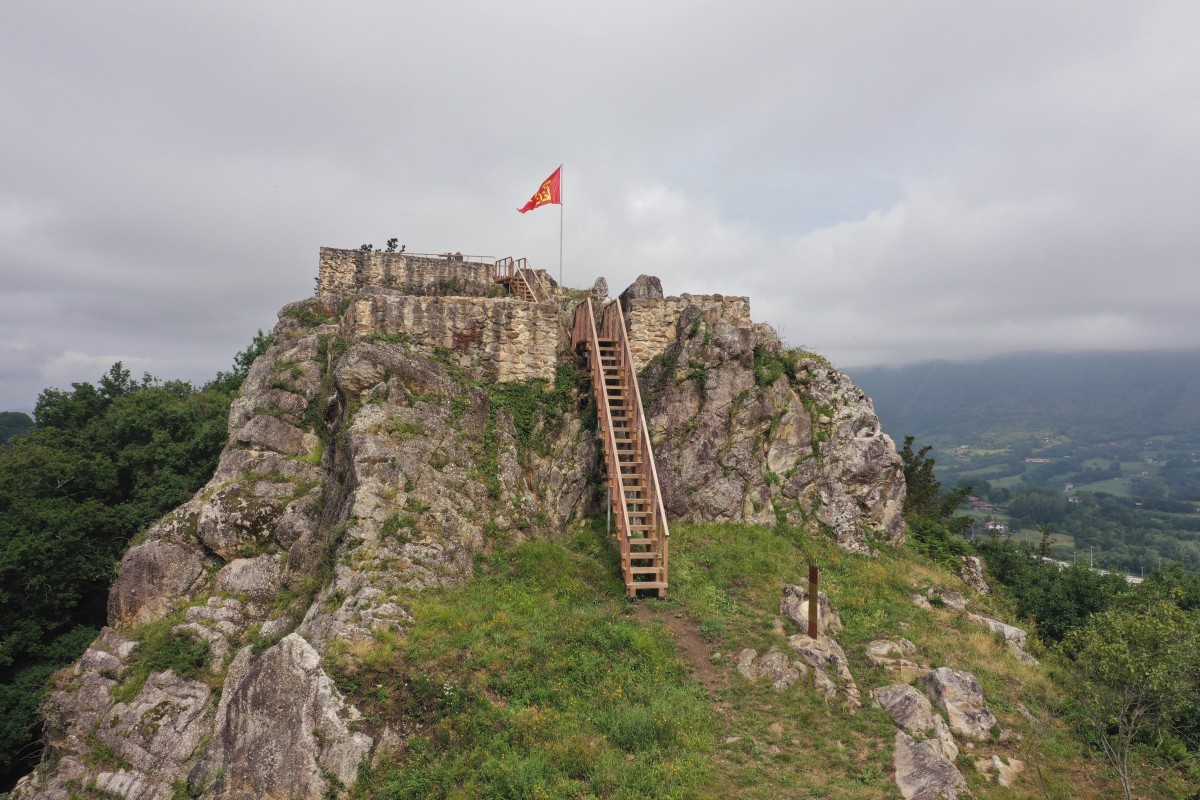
[[814, 600]]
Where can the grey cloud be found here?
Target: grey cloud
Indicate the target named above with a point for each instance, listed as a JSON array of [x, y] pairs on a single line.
[[887, 183]]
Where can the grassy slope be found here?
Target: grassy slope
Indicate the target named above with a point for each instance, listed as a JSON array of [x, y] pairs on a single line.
[[539, 679]]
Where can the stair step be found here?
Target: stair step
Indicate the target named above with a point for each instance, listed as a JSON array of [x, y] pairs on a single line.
[[646, 585]]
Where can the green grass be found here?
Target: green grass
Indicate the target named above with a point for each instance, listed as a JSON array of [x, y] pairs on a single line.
[[1118, 487], [534, 680], [539, 679], [160, 649]]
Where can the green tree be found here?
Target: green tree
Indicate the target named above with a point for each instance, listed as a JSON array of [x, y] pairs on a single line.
[[933, 528], [1135, 674], [924, 495], [103, 462], [1044, 543]]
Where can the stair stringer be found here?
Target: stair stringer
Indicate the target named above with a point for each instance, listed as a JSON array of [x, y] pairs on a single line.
[[642, 531]]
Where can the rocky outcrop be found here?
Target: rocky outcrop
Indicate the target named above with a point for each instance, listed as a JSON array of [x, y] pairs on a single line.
[[831, 668], [794, 606], [922, 773], [1005, 772], [1011, 633], [646, 287], [154, 574], [781, 671], [895, 656], [912, 711], [281, 730], [1015, 638], [971, 573], [746, 430], [119, 744], [372, 456], [960, 696]]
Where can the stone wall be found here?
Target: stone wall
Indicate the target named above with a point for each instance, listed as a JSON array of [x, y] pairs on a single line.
[[653, 324], [496, 339], [346, 271]]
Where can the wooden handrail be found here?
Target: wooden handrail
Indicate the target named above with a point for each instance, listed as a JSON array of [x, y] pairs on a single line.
[[616, 485], [641, 421]]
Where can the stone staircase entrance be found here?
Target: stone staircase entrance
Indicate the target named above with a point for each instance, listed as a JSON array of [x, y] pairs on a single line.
[[641, 522]]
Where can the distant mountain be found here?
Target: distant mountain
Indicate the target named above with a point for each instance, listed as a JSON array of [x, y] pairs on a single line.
[[13, 423], [1087, 397]]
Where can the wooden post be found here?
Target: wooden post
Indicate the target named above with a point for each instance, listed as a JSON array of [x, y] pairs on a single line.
[[814, 600]]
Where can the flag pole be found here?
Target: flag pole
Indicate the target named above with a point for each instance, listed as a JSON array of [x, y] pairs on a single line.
[[560, 226]]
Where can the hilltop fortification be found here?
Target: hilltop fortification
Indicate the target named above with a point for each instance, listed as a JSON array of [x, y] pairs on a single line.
[[408, 418]]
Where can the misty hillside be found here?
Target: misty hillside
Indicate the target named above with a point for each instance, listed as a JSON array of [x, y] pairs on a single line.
[[1092, 396]]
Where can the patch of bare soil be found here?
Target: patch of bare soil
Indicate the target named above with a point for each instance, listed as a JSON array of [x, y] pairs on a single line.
[[690, 643]]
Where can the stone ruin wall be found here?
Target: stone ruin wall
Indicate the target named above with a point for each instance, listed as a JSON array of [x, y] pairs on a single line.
[[344, 272], [653, 323], [495, 339], [435, 302]]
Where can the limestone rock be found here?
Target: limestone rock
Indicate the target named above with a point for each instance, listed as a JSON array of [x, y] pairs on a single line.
[[960, 696], [256, 578], [895, 656], [1015, 638], [737, 430], [912, 711], [1007, 772], [972, 574], [272, 433], [1011, 633], [152, 576], [954, 601], [600, 290], [646, 287], [921, 601], [147, 739], [745, 663], [777, 668], [239, 517], [922, 773], [794, 606], [282, 729], [774, 665], [828, 660]]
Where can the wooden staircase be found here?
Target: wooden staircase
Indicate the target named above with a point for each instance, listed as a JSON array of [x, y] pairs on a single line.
[[524, 282], [641, 522]]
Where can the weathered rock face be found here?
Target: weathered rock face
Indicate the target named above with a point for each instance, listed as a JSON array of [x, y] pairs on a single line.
[[646, 287], [922, 773], [281, 729], [912, 711], [781, 671], [830, 666], [794, 606], [959, 694], [368, 461], [972, 574], [745, 430], [896, 656]]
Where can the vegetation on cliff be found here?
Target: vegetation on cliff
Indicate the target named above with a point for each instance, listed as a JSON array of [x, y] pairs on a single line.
[[1127, 656], [103, 462]]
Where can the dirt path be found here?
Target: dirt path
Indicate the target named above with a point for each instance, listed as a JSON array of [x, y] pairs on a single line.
[[690, 643]]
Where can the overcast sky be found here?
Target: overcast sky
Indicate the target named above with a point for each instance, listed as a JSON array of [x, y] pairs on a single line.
[[888, 181]]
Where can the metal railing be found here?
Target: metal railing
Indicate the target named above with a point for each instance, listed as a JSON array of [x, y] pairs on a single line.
[[455, 257]]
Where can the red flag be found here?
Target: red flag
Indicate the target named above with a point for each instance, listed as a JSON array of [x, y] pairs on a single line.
[[549, 192]]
